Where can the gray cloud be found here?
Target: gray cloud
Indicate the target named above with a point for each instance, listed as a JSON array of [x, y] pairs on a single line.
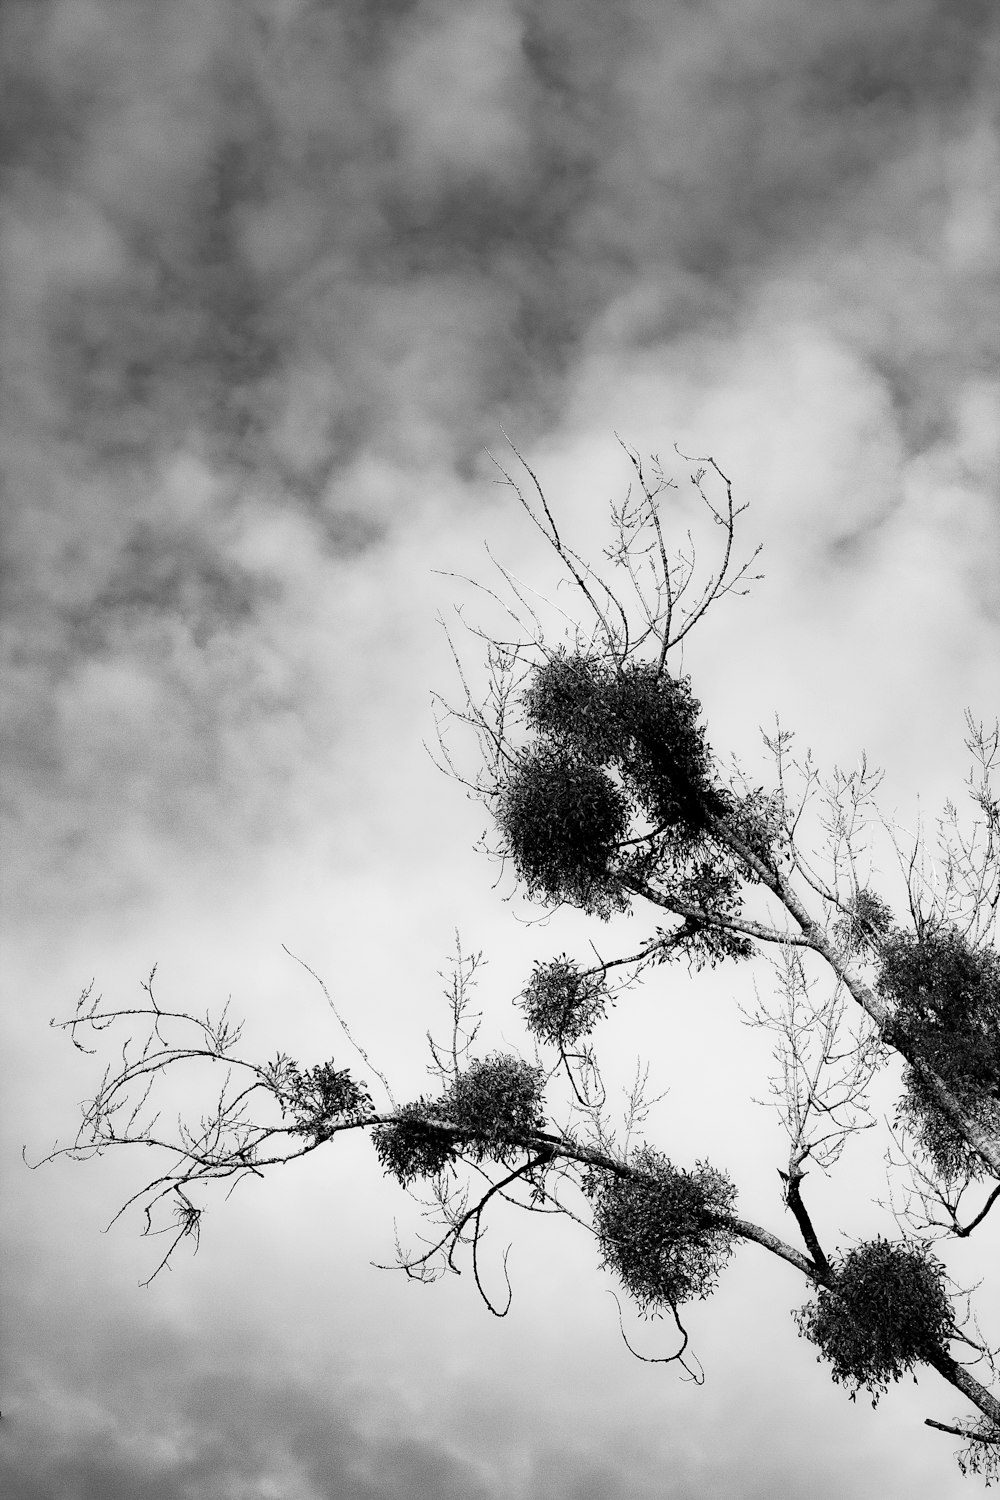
[[141, 1410], [212, 207], [287, 266], [184, 1431]]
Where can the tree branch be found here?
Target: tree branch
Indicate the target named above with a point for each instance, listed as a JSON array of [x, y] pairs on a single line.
[[793, 1197]]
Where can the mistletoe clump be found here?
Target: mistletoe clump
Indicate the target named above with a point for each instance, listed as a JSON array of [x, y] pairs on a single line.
[[866, 924], [637, 718], [487, 1111], [494, 1101], [887, 1311], [946, 1000], [562, 1003], [414, 1143], [664, 755], [613, 741], [318, 1097], [660, 1230], [572, 702], [562, 819]]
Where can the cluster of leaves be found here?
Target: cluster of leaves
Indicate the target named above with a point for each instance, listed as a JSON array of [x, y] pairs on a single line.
[[414, 1143], [888, 1311], [562, 1003], [706, 943], [318, 1097], [612, 740], [571, 701], [698, 878], [659, 1230], [563, 818], [759, 819], [488, 1110], [663, 753], [496, 1100], [866, 924], [946, 1002]]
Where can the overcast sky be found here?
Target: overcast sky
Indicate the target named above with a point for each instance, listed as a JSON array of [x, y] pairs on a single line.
[[275, 273]]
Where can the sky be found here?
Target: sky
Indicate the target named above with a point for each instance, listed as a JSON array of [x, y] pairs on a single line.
[[277, 273]]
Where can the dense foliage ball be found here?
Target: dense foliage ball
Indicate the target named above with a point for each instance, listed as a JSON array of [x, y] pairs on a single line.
[[945, 1146], [616, 742], [412, 1144], [562, 819], [889, 1311], [486, 1112], [494, 1100], [571, 700], [664, 755], [658, 1232], [637, 717], [561, 1003], [945, 996]]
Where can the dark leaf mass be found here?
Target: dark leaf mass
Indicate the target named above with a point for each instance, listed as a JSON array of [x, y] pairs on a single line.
[[496, 1101], [637, 718], [888, 1311], [659, 1231], [664, 755], [614, 747], [562, 1003], [946, 999], [562, 818], [486, 1113], [413, 1145]]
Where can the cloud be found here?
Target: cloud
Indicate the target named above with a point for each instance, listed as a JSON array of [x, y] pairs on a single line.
[[146, 1413], [457, 86], [277, 272], [123, 1404], [144, 1408]]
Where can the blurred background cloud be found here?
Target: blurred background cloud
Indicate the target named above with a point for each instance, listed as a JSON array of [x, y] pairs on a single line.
[[275, 273]]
